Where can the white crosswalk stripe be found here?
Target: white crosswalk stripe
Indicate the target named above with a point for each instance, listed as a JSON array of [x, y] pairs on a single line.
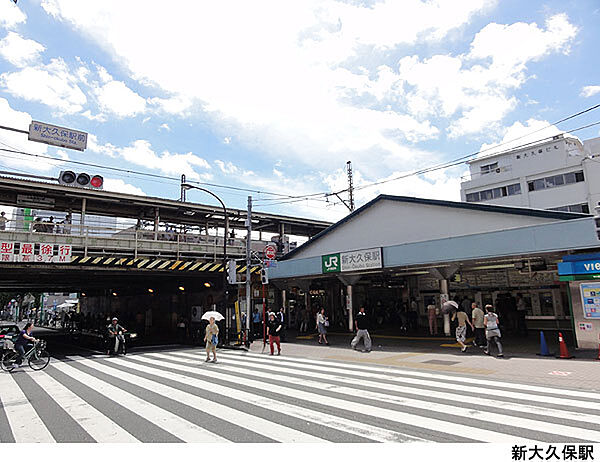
[[240, 365], [286, 408], [248, 396], [179, 427], [270, 429], [25, 423], [96, 424], [259, 363]]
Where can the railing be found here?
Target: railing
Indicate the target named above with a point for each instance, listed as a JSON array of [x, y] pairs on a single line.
[[108, 241], [477, 175]]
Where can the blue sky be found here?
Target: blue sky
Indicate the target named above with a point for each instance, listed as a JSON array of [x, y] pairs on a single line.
[[276, 96]]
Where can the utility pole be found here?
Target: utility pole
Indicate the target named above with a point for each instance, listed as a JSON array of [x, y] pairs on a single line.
[[350, 186], [248, 263], [183, 189]]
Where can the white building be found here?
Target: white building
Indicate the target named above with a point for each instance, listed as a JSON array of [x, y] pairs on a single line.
[[559, 174]]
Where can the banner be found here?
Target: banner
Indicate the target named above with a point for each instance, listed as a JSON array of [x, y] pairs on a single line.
[[29, 252]]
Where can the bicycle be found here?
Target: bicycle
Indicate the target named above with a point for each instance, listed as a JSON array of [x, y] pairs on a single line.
[[37, 357]]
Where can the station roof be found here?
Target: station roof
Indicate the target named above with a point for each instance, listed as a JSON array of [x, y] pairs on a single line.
[[16, 192], [478, 207]]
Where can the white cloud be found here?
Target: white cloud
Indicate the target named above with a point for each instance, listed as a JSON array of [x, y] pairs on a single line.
[[20, 51], [140, 152], [227, 140], [116, 98], [117, 185], [11, 15], [165, 126], [519, 134], [18, 142], [590, 90], [477, 86], [52, 84], [286, 86]]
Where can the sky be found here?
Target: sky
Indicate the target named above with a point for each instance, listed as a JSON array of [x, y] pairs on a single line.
[[272, 98]]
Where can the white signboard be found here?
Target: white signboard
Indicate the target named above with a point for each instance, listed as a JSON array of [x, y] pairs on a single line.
[[361, 259], [57, 136], [25, 252]]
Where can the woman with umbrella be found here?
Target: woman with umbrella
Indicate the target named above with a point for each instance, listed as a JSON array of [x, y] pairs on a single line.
[[211, 336]]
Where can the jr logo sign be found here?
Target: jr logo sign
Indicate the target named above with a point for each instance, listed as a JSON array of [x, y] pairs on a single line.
[[331, 263]]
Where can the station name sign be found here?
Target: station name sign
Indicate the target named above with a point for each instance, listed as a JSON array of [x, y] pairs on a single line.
[[57, 136], [29, 252], [352, 261]]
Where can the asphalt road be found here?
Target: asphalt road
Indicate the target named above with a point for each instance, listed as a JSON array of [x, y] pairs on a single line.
[[174, 396]]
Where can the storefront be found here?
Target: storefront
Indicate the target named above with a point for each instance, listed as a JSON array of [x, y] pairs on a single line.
[[582, 274], [396, 255]]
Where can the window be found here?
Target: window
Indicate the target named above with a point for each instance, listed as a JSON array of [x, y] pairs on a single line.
[[576, 208], [556, 180], [513, 189], [495, 193], [546, 304], [489, 168], [486, 195]]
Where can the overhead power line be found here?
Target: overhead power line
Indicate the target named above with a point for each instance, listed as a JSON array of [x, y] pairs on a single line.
[[318, 196]]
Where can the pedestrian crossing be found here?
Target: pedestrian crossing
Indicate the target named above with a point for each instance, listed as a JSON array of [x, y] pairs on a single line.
[[173, 396]]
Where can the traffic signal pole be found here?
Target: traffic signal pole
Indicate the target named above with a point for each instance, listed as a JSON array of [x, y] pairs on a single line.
[[249, 264], [263, 316]]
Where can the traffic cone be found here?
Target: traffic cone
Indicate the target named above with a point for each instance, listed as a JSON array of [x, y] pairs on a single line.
[[543, 346], [564, 352]]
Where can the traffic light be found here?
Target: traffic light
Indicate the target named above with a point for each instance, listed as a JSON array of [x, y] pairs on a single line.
[[231, 272], [264, 276], [80, 180]]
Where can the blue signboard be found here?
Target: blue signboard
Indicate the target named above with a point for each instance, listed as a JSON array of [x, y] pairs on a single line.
[[579, 267]]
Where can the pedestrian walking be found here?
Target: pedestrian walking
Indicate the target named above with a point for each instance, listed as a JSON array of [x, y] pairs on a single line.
[[492, 330], [477, 316], [211, 337], [461, 329], [3, 221], [361, 323], [322, 325], [432, 317], [273, 331]]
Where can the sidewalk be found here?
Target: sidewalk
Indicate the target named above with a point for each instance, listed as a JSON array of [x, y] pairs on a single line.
[[429, 355]]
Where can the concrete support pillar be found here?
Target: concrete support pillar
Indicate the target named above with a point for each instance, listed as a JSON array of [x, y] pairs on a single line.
[[349, 307], [284, 307], [156, 221], [83, 207], [444, 297]]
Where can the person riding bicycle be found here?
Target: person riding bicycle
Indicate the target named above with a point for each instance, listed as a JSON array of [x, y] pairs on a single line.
[[115, 331], [23, 340]]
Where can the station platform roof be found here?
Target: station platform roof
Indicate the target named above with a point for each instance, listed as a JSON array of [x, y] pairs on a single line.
[[40, 195]]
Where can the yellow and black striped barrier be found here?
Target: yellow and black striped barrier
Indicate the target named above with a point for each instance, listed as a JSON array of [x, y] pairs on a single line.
[[155, 264]]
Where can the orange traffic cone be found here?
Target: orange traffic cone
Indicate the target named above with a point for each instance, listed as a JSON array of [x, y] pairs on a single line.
[[564, 352]]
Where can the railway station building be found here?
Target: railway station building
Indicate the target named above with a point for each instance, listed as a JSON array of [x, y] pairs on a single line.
[[396, 255]]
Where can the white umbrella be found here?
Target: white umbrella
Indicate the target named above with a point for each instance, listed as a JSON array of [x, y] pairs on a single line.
[[449, 306], [212, 314]]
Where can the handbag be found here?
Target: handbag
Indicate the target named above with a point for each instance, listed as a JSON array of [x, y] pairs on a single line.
[[214, 339], [326, 323]]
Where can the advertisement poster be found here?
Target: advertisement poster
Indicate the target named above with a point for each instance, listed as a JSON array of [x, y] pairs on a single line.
[[590, 299]]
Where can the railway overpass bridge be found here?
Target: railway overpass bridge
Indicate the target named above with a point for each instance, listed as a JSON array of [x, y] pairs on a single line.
[[124, 253]]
